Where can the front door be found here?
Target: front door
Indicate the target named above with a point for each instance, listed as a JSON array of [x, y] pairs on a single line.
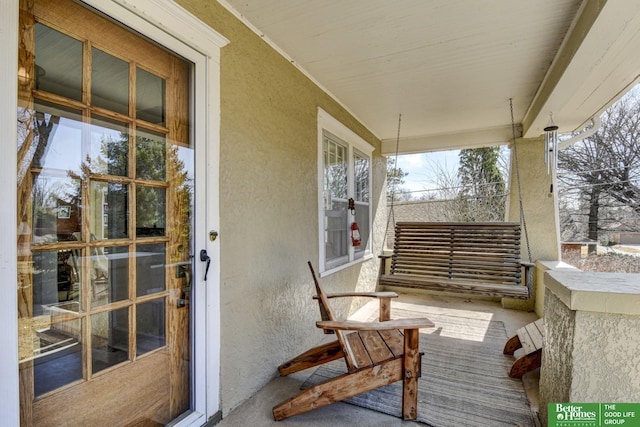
[[105, 204]]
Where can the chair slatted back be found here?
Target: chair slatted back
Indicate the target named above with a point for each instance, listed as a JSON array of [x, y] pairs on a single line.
[[325, 310]]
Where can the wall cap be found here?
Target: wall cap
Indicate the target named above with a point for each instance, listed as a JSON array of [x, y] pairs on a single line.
[[614, 293]]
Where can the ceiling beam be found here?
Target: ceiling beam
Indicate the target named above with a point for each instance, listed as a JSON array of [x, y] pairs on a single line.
[[451, 141], [596, 64]]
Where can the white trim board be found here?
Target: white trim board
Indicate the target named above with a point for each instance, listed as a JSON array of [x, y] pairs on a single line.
[[9, 399]]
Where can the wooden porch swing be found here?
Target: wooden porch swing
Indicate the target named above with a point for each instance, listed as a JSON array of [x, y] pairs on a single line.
[[470, 258], [474, 258]]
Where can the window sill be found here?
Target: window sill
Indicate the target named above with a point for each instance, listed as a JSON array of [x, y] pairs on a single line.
[[367, 256]]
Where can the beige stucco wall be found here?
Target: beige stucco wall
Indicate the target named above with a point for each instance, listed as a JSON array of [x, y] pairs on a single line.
[[591, 350], [606, 367], [268, 204], [540, 209], [555, 384]]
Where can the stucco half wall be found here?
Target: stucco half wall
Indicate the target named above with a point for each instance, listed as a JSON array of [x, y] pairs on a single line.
[[268, 207], [591, 350]]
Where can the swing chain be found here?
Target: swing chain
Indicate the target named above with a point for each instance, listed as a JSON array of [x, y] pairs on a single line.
[[393, 187], [515, 153]]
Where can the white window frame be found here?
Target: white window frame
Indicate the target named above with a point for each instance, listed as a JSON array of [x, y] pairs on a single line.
[[328, 123], [175, 28]]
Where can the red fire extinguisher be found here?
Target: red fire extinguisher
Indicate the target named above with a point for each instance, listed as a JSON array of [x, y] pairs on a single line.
[[355, 231], [355, 234]]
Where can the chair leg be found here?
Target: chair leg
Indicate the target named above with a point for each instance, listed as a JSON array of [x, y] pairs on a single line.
[[512, 345], [385, 309], [316, 356], [340, 388], [411, 373], [525, 364]]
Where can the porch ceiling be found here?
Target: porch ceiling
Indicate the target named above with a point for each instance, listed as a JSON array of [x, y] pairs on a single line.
[[450, 67]]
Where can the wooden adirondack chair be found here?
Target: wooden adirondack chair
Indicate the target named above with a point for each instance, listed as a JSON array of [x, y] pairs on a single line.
[[530, 338], [376, 354]]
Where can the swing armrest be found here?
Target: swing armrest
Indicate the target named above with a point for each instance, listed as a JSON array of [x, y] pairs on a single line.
[[383, 264], [383, 297], [352, 325], [528, 278]]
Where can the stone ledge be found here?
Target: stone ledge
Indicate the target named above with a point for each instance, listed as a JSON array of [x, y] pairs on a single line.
[[616, 293]]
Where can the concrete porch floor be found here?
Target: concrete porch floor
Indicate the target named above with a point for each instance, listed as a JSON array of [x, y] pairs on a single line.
[[257, 410]]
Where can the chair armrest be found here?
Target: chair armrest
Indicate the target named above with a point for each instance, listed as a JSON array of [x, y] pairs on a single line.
[[352, 325], [527, 264], [383, 297], [385, 256], [362, 294]]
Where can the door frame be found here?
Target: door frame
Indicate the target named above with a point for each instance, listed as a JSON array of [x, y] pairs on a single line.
[[171, 26]]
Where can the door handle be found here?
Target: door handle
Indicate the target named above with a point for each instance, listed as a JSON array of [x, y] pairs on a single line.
[[204, 257]]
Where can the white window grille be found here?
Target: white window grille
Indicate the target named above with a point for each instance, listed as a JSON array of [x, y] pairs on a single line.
[[344, 173]]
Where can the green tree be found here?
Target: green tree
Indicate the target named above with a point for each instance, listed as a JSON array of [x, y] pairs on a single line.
[[395, 179], [482, 196]]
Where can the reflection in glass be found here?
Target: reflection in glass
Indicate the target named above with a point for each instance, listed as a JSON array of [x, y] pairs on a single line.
[[362, 218], [184, 157], [58, 357], [109, 275], [150, 90], [57, 208], [109, 210], [335, 199], [335, 168], [56, 280], [361, 177], [361, 169], [150, 323], [181, 159], [57, 139], [150, 269], [150, 156], [150, 211], [336, 236], [109, 82], [58, 63], [109, 338], [109, 147]]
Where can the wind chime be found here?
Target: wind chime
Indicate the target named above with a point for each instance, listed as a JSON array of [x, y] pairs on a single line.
[[551, 145]]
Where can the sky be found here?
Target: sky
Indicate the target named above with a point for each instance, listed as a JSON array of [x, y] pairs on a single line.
[[422, 168]]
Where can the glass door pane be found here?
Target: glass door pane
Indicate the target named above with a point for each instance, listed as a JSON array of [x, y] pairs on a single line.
[[105, 184]]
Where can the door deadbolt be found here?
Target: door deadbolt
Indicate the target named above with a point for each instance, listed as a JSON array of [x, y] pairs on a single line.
[[213, 235]]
